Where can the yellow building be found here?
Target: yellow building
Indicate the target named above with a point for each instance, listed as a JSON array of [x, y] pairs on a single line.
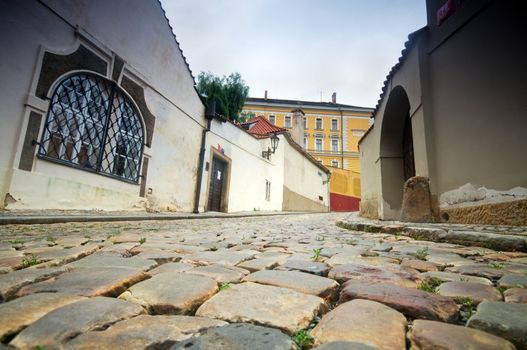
[[331, 130]]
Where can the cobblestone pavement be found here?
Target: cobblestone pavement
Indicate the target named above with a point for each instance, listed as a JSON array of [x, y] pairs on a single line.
[[268, 282]]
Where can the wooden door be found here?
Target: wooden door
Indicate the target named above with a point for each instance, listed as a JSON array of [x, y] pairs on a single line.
[[216, 186]]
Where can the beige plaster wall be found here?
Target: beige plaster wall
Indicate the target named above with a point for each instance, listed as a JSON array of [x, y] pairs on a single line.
[[305, 179], [296, 202], [478, 104]]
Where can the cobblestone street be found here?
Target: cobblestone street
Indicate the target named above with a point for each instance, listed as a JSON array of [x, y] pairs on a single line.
[[263, 282]]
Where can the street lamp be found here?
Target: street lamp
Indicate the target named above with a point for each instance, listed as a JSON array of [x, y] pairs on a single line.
[[274, 145]]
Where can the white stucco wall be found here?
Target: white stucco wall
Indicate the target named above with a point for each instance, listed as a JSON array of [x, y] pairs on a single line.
[[249, 170], [139, 34]]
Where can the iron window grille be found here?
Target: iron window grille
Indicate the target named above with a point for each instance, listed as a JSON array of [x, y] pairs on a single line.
[[93, 125]]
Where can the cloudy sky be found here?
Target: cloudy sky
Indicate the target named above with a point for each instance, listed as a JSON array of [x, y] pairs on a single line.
[[298, 49]]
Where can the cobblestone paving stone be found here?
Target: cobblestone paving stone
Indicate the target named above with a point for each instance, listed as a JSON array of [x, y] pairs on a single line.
[[284, 282]]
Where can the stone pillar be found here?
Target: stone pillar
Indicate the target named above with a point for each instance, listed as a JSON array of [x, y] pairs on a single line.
[[297, 123], [417, 204]]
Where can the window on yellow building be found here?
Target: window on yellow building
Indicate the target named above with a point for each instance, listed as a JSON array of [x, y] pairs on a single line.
[[318, 144], [335, 163], [272, 119], [318, 124], [287, 122], [335, 145], [305, 123], [305, 142], [334, 124]]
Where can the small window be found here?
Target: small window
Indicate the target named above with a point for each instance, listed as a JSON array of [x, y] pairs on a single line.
[[335, 163], [287, 122], [93, 125], [305, 142], [318, 144], [334, 145], [305, 123], [334, 124], [272, 119], [318, 124], [267, 190]]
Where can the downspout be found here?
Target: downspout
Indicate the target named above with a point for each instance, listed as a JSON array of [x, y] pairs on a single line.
[[341, 137], [209, 114], [329, 192]]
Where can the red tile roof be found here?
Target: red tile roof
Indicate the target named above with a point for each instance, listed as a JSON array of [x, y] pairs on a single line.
[[260, 127]]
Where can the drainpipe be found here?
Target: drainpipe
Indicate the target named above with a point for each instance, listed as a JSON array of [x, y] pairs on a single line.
[[209, 114], [341, 137]]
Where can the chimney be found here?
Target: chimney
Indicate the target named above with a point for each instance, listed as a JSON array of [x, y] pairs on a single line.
[[297, 132], [265, 95], [334, 98]]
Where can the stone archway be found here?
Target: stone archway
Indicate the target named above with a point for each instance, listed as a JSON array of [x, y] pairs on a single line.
[[396, 153]]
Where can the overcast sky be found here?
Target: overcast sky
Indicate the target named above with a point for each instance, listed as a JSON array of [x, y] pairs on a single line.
[[298, 49]]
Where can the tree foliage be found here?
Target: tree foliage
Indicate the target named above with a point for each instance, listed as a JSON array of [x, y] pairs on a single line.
[[229, 92]]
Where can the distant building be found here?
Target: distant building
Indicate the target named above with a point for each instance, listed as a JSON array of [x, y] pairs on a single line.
[[331, 130], [453, 109]]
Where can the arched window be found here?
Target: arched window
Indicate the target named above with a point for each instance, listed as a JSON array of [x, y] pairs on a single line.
[[93, 125]]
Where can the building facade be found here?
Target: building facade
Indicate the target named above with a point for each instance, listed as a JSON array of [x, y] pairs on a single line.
[[242, 171], [453, 110], [99, 110], [331, 130], [94, 96]]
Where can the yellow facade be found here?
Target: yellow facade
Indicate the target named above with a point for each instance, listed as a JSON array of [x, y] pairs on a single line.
[[332, 130]]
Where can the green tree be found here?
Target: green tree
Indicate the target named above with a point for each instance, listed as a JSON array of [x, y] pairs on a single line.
[[229, 92]]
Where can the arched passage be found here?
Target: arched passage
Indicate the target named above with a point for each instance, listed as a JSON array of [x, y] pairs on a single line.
[[396, 152]]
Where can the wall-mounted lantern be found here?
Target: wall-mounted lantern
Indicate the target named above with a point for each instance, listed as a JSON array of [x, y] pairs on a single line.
[[274, 145]]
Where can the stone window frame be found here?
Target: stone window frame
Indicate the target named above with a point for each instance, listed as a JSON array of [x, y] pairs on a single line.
[[125, 114]]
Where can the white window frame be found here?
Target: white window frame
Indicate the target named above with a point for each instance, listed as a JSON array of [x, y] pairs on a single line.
[[272, 119], [335, 163], [334, 124], [334, 145], [287, 121], [319, 144], [319, 124]]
